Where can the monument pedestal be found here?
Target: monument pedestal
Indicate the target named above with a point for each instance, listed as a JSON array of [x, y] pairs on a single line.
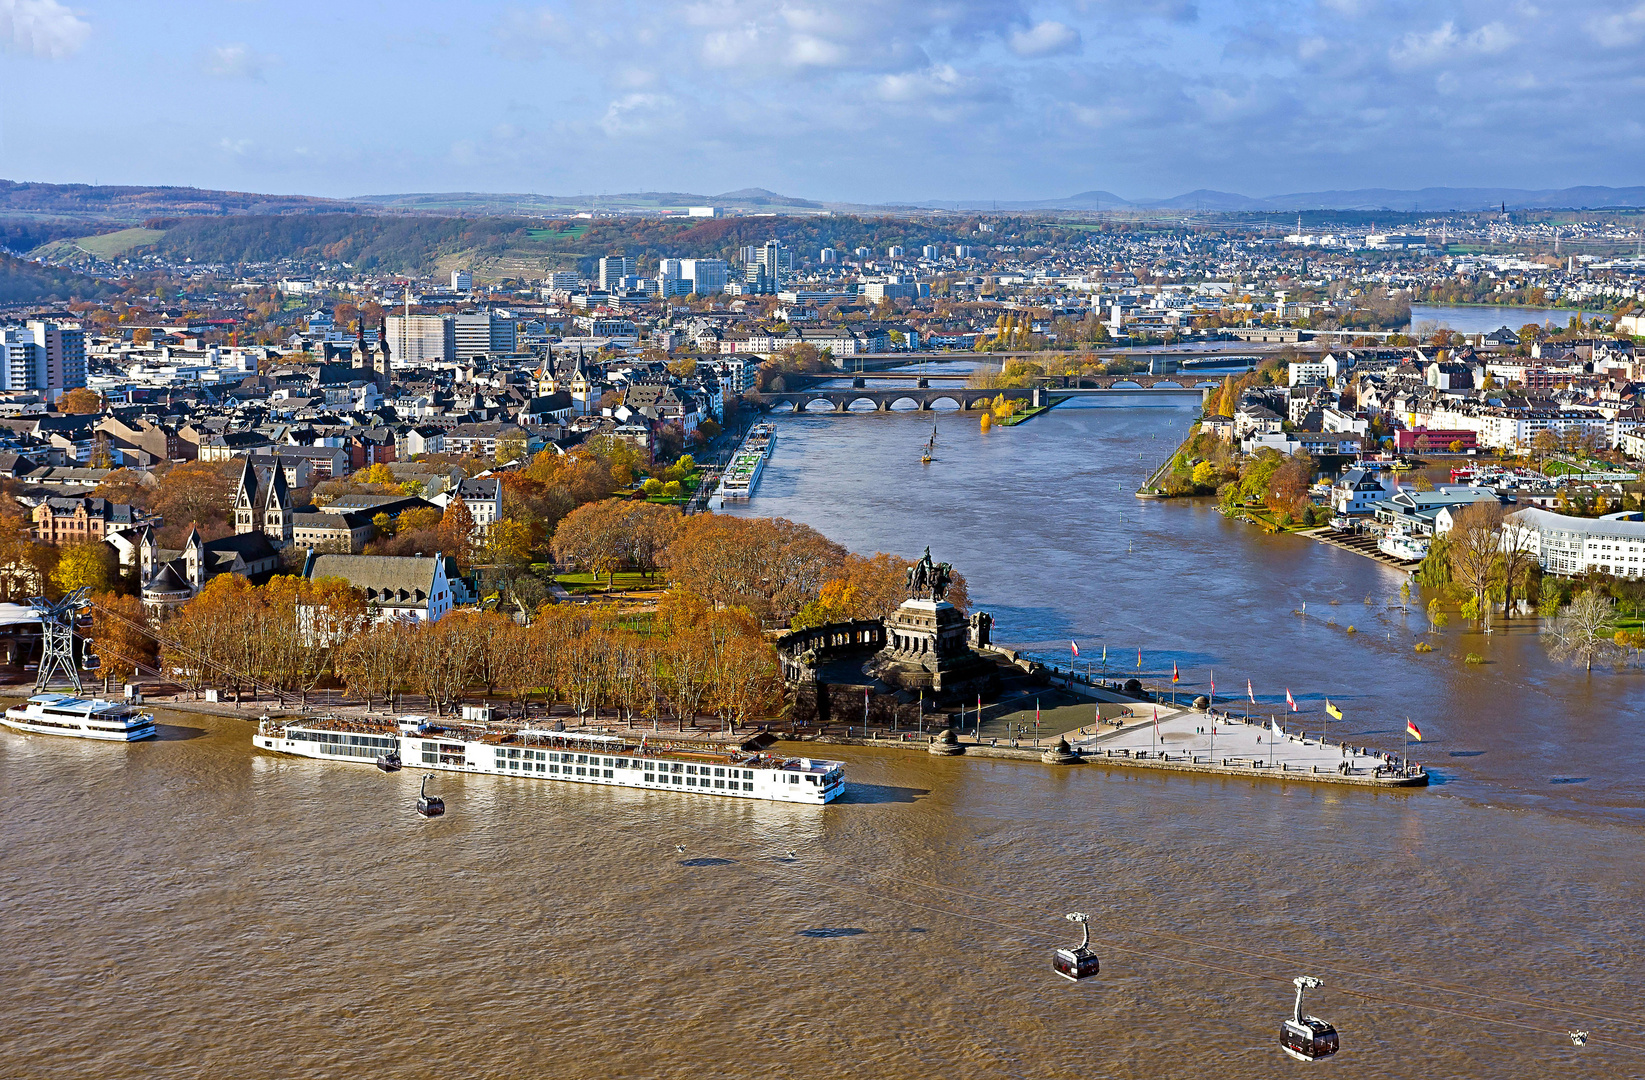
[[926, 647]]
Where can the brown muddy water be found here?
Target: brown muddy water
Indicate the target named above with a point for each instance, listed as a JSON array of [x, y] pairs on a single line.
[[191, 908]]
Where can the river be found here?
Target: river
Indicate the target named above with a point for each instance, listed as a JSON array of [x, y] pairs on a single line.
[[188, 907], [1483, 318]]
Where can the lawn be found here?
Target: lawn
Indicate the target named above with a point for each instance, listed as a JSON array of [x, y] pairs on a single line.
[[1023, 417], [574, 233], [623, 581]]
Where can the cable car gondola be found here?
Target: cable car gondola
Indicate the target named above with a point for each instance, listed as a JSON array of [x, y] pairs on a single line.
[[1307, 1038], [388, 761], [1079, 962], [429, 805]]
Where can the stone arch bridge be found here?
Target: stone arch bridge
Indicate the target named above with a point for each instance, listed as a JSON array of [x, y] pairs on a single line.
[[883, 400], [971, 399]]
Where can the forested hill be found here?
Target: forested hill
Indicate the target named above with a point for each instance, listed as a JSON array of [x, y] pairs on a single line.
[[23, 282], [505, 246], [128, 204]]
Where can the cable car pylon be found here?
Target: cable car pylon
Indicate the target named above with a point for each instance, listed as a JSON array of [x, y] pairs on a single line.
[[57, 638]]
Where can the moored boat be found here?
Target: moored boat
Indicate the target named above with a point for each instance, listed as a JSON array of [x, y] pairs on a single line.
[[80, 718], [702, 764]]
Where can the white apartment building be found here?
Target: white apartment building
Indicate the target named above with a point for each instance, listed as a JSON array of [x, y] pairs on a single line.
[[462, 280], [60, 358], [613, 270], [1568, 546], [422, 339]]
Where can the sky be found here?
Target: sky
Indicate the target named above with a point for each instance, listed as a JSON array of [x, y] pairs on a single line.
[[855, 100]]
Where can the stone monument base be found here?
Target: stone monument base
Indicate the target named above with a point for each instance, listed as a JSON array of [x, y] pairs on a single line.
[[926, 648]]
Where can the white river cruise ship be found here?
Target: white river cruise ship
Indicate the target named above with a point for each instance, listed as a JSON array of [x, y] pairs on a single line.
[[80, 718], [701, 765]]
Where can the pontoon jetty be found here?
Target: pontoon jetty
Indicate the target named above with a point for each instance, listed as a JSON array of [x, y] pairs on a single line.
[[705, 763]]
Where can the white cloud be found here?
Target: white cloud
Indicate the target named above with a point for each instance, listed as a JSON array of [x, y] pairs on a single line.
[[1045, 39], [235, 147], [1619, 29], [1445, 43], [41, 28], [237, 61]]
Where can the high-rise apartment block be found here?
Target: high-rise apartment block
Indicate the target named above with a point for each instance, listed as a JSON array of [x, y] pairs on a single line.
[[422, 339], [462, 280], [613, 270], [45, 356], [707, 276]]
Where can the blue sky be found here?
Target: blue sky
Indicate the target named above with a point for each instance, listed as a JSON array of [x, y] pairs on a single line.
[[869, 100]]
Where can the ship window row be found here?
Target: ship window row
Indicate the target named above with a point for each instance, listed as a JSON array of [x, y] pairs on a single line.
[[338, 737], [339, 750], [699, 781]]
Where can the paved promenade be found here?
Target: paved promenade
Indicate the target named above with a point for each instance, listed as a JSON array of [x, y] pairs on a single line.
[[1196, 738]]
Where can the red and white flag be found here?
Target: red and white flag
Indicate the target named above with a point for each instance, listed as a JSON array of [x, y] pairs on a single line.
[[1076, 647], [1156, 721], [1213, 682], [1289, 700], [1250, 693]]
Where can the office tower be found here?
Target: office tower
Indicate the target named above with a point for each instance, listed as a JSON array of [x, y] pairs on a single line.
[[462, 280]]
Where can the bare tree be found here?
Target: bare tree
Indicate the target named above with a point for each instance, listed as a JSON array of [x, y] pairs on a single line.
[[1584, 631], [1475, 543], [1516, 556]]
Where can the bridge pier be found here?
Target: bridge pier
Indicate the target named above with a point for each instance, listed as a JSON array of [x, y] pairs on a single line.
[[841, 405]]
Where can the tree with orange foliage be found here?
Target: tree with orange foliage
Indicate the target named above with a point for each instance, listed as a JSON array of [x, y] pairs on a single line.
[[456, 532], [80, 402], [119, 641]]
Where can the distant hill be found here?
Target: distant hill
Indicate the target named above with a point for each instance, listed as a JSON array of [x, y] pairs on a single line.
[[24, 282], [132, 205], [115, 207], [475, 202], [1423, 200]]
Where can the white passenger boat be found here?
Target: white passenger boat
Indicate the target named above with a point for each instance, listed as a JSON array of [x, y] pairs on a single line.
[[1402, 545], [80, 718], [741, 768]]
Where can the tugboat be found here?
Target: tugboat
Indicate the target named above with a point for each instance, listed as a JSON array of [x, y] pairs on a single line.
[[1079, 962], [1307, 1038], [388, 761], [429, 805]]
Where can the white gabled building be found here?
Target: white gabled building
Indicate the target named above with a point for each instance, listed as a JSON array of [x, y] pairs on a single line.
[[397, 587], [1357, 491], [1614, 544]]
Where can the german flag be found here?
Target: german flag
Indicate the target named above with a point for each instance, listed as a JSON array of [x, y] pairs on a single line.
[[1174, 676], [1336, 713], [1413, 731]]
